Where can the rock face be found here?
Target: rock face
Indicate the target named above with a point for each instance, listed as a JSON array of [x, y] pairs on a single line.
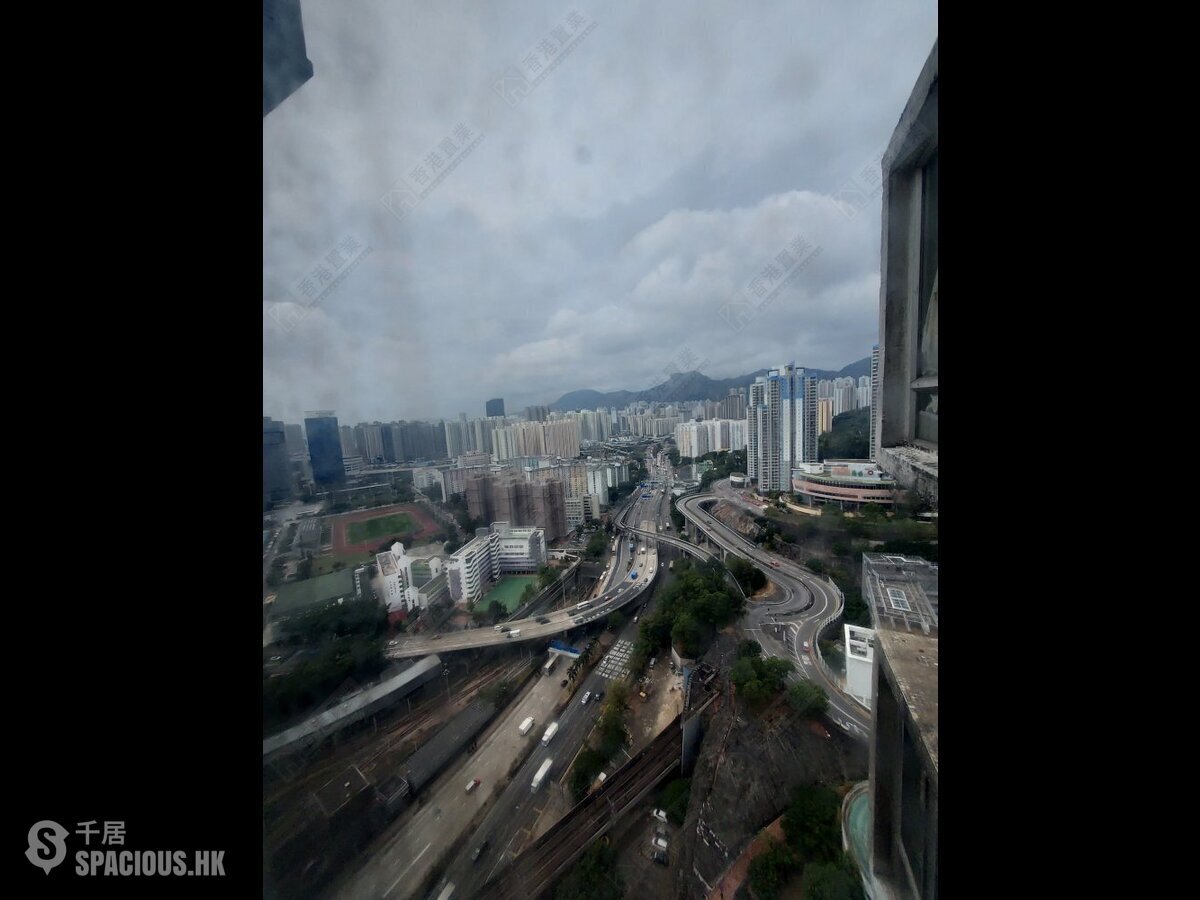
[[733, 518], [745, 774]]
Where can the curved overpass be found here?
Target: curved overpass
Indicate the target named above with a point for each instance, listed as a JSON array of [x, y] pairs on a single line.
[[619, 590], [810, 599]]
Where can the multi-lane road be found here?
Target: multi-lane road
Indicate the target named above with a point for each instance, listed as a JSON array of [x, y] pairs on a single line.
[[807, 600]]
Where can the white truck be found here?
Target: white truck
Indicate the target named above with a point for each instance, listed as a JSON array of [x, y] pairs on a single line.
[[525, 726], [540, 776], [550, 733]]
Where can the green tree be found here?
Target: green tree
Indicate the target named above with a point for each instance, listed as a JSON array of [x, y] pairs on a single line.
[[807, 699], [749, 648], [495, 611], [769, 870], [810, 823], [616, 621], [832, 880], [593, 877]]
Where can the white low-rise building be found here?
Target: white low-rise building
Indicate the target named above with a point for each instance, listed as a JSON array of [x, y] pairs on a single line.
[[401, 575], [491, 553]]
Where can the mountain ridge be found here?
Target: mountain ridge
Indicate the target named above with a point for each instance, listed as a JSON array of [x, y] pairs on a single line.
[[690, 386]]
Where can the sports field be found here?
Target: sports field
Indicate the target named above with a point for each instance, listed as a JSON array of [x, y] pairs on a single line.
[[508, 591], [384, 526]]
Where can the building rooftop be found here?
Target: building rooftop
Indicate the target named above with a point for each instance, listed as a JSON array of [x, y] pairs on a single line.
[[913, 659], [327, 721], [387, 563], [902, 593]]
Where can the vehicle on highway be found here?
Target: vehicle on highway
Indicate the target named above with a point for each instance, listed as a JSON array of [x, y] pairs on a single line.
[[806, 646], [775, 564], [584, 605], [276, 658], [542, 620], [526, 726], [659, 814], [540, 776], [586, 697], [436, 637], [516, 632], [479, 851], [550, 733], [472, 784]]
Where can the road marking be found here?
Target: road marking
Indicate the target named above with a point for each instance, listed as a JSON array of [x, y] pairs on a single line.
[[406, 868]]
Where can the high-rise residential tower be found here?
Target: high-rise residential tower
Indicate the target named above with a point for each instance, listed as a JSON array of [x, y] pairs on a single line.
[[781, 426], [494, 407]]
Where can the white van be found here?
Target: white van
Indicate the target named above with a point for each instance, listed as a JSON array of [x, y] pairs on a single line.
[[525, 726]]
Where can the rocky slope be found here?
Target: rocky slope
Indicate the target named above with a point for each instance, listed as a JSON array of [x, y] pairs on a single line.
[[745, 774]]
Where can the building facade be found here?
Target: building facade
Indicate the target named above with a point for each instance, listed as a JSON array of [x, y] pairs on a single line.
[[906, 436], [781, 426], [494, 407], [325, 449], [277, 476]]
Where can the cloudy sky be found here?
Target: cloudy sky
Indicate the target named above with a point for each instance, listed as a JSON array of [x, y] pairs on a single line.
[[518, 199]]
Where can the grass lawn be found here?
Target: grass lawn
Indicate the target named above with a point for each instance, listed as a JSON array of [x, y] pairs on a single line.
[[384, 526], [508, 591]]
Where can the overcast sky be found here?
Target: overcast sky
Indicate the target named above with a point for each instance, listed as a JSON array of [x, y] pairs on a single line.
[[597, 222]]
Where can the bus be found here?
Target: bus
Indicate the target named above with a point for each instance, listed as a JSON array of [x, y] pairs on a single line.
[[584, 605], [549, 666]]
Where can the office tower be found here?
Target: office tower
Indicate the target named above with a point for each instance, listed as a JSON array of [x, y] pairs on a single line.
[[325, 448], [277, 479], [781, 426], [906, 437], [495, 407]]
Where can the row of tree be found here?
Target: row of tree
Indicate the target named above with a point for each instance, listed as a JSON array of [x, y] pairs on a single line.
[[812, 850]]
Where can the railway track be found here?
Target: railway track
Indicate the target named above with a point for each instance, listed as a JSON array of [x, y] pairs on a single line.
[[534, 871]]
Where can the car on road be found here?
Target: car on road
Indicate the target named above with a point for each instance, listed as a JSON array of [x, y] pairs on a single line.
[[659, 814], [436, 637], [806, 646], [542, 620], [392, 643], [586, 698], [479, 851], [472, 784], [599, 696], [775, 564], [276, 658]]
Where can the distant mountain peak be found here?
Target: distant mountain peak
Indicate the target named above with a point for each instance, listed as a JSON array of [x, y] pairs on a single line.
[[689, 386]]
